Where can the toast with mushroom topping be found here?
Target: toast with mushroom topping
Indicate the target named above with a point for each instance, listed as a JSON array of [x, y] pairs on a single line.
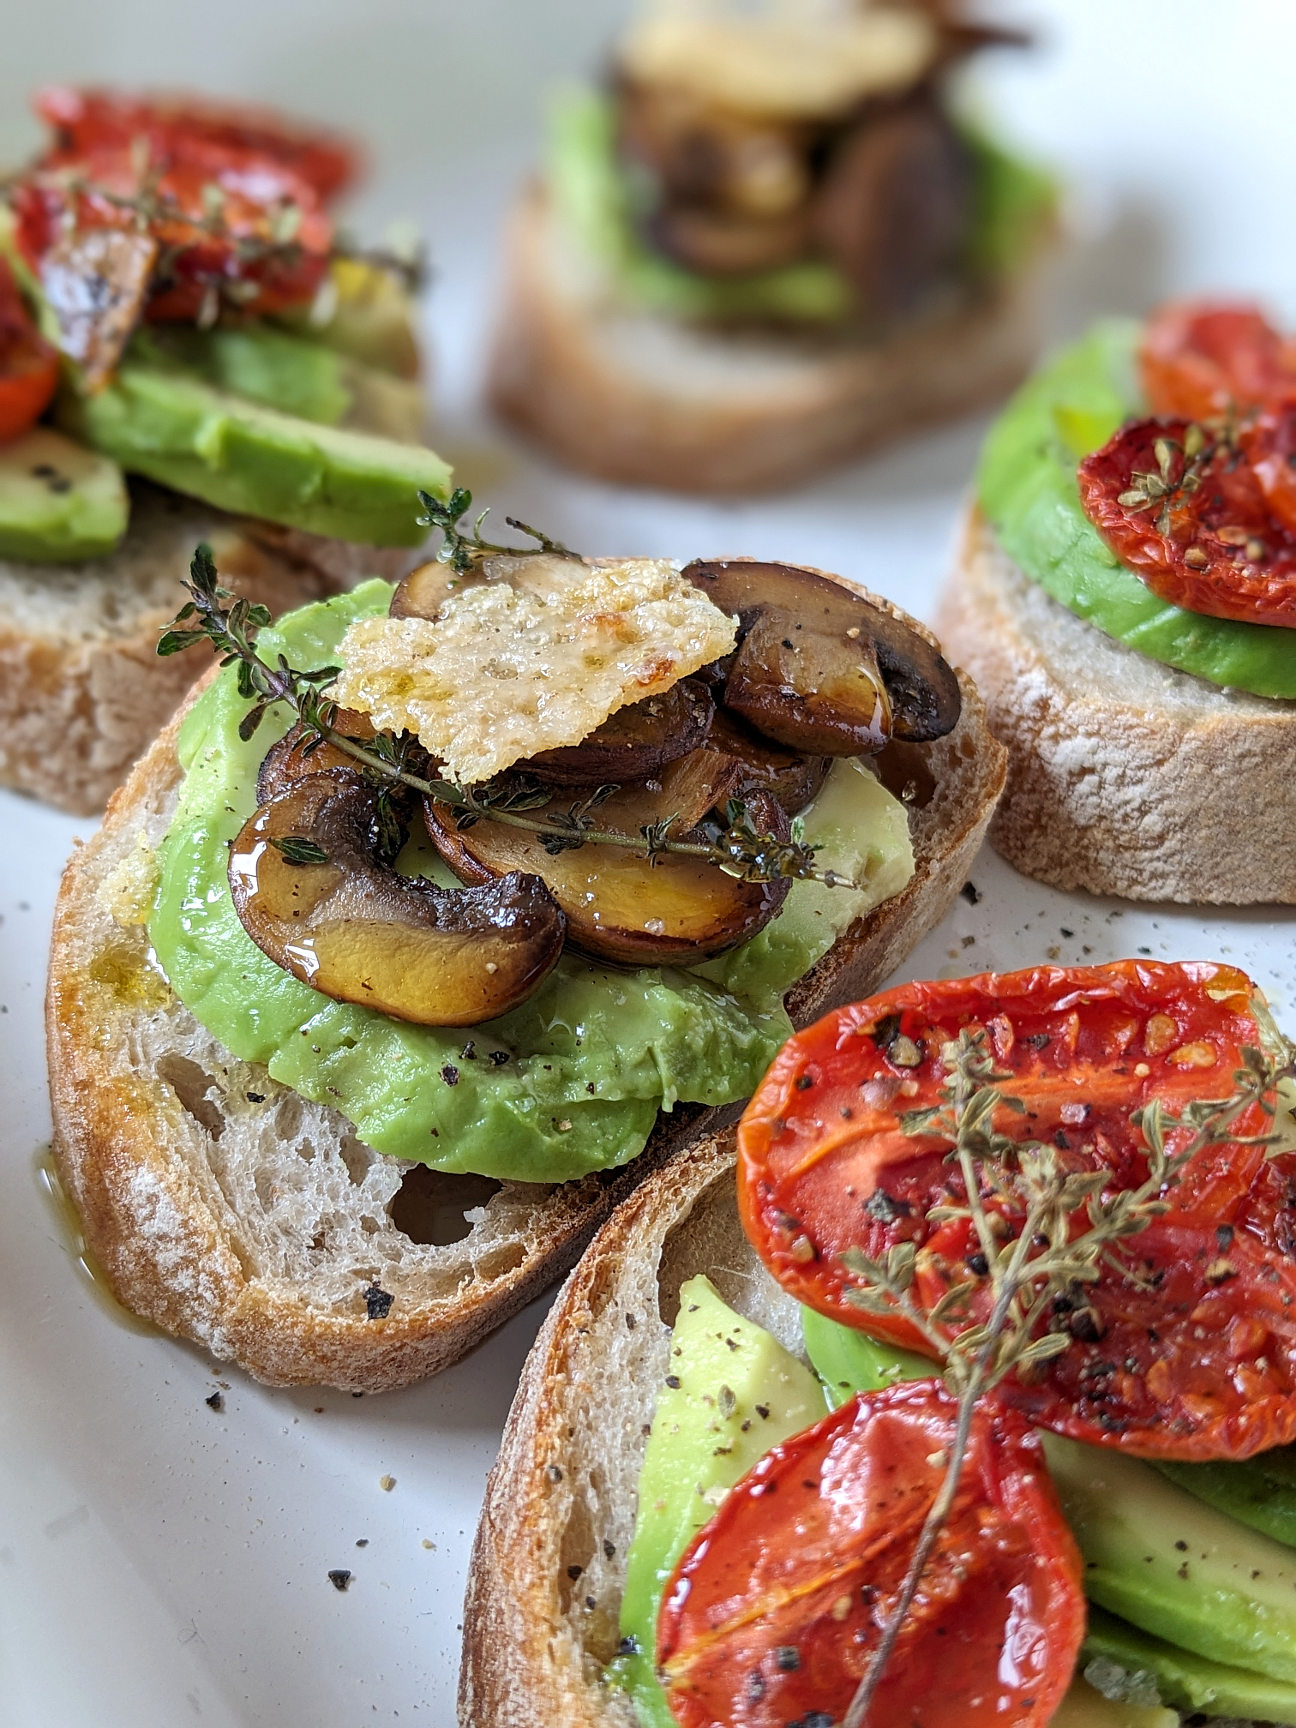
[[232, 1210]]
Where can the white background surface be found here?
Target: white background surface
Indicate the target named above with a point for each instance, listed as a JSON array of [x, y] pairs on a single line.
[[161, 1563]]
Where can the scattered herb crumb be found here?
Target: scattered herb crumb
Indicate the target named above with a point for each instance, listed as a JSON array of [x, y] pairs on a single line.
[[216, 1401], [339, 1578]]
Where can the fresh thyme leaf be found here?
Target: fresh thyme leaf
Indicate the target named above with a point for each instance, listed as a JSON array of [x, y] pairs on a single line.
[[466, 551], [297, 849]]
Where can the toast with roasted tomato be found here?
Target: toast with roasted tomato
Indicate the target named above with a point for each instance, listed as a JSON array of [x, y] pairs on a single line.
[[1125, 594], [676, 1532], [186, 353], [348, 1062]]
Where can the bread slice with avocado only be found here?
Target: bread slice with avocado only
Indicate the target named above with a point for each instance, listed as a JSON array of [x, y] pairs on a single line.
[[230, 1210], [548, 1571], [1125, 776], [638, 397]]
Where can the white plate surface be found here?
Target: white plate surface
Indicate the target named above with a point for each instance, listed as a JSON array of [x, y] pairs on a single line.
[[162, 1562]]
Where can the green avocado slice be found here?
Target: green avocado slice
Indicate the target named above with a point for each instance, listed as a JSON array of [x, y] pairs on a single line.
[[1259, 1491], [59, 502], [1123, 1662], [1026, 484], [253, 460]]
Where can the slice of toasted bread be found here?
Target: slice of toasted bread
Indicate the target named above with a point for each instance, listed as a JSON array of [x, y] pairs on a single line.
[[1125, 777], [226, 1208], [642, 398], [82, 690]]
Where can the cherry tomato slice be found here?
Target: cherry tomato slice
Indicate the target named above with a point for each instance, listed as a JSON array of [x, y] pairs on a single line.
[[1200, 359], [775, 1609], [86, 120], [1190, 1350], [29, 365], [1213, 545]]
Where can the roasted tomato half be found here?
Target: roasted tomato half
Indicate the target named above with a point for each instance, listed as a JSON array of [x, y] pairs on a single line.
[[1200, 359], [1185, 1347], [1197, 518], [777, 1606], [28, 363]]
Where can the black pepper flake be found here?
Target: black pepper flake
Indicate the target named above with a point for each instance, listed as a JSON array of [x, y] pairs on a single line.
[[763, 1410], [629, 1645], [971, 893], [755, 1686], [787, 1658], [609, 1550], [1063, 931], [216, 1401], [255, 1097], [885, 1208], [574, 1572], [978, 1265], [450, 1074], [673, 1380], [339, 1578], [1182, 1546], [1224, 1236], [377, 1303], [886, 1031], [554, 1473], [1039, 1040], [591, 1604], [469, 1052], [362, 1541], [497, 1057], [804, 1082]]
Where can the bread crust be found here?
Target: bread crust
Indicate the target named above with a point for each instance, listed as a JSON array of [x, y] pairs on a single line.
[[82, 690], [1125, 777], [148, 1170], [636, 398]]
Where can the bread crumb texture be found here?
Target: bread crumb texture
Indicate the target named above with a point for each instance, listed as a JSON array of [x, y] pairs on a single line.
[[534, 656], [128, 890]]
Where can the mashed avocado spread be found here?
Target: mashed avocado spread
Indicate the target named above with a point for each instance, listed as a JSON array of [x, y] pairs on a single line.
[[1027, 488], [569, 1082]]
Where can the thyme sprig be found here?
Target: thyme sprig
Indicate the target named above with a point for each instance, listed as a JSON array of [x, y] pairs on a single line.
[[1029, 1267], [736, 845], [464, 552]]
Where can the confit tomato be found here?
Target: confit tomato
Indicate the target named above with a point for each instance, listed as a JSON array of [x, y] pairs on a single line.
[[776, 1607], [1185, 1347], [1200, 359], [234, 203], [28, 363], [87, 120], [1205, 533]]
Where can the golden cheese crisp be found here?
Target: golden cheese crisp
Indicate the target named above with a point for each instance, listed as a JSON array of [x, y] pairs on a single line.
[[533, 655]]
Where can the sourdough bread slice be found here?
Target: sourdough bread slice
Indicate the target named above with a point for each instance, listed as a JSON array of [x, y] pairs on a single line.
[[1125, 776], [652, 401], [82, 690], [229, 1210]]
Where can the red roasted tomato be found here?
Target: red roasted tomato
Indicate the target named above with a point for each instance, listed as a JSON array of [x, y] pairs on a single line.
[[776, 1607], [1186, 1347], [28, 363], [1200, 359], [1213, 542]]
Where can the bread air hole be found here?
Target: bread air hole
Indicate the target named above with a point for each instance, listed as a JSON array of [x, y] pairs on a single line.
[[431, 1207], [191, 1085]]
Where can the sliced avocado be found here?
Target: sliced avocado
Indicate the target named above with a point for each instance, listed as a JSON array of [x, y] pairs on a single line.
[[1128, 1664], [255, 461], [1174, 1566], [732, 1393], [1085, 1707], [848, 1361], [366, 313], [1259, 1491], [253, 360], [59, 502], [1027, 487]]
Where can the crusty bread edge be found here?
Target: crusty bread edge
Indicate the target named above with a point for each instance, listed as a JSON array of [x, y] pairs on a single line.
[[109, 1120], [1106, 796], [548, 380]]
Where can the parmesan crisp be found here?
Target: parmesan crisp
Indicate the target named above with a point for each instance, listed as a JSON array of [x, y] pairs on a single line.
[[535, 655]]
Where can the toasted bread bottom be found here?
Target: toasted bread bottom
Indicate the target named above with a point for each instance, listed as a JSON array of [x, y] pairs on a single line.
[[1125, 777]]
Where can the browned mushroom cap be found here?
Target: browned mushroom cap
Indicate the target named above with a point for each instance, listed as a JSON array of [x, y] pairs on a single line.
[[633, 743], [896, 204], [425, 590], [727, 243], [830, 699], [620, 905], [791, 778], [309, 892], [301, 751]]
